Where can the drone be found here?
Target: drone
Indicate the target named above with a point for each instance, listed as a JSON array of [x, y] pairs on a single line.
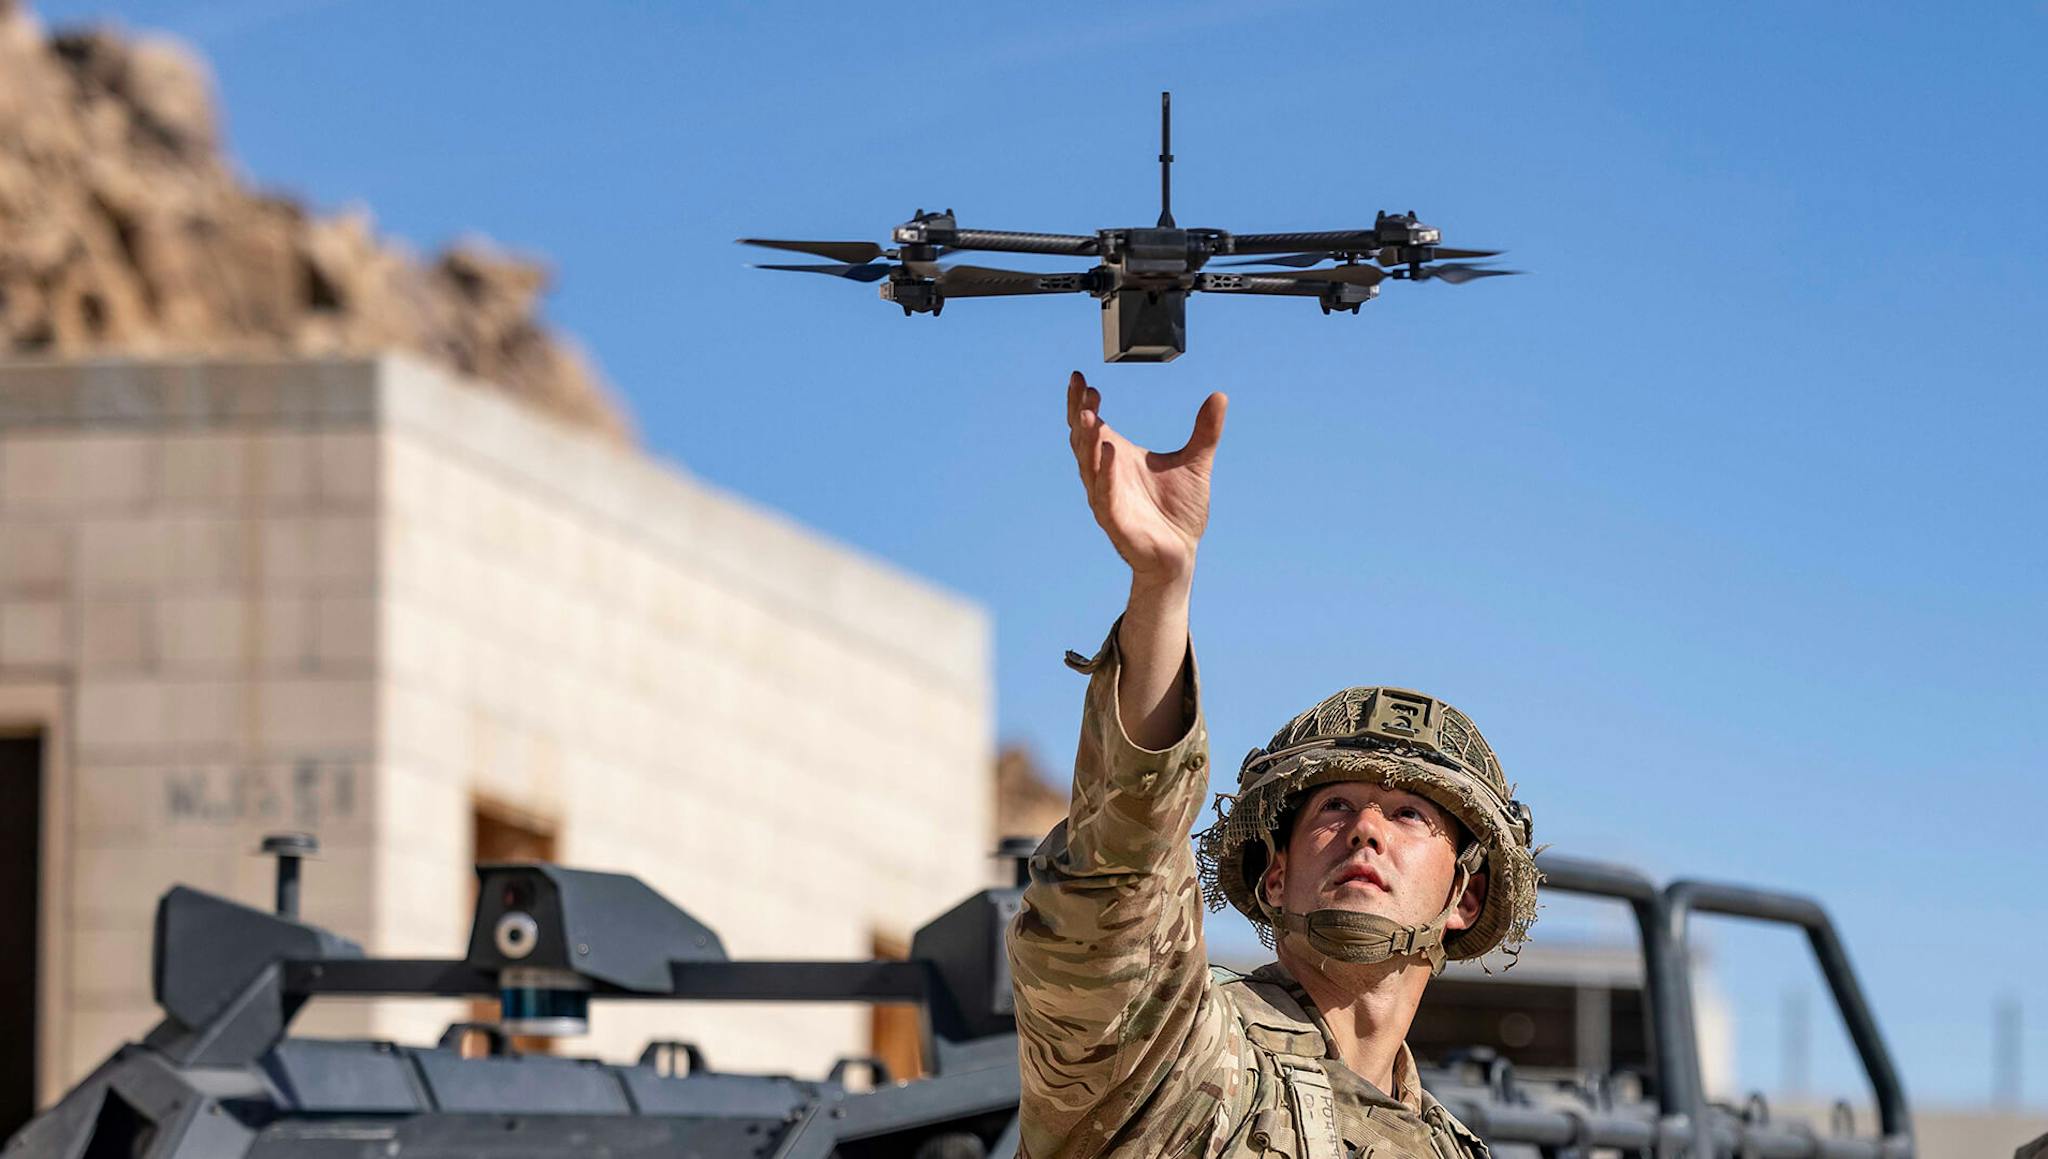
[[1144, 275]]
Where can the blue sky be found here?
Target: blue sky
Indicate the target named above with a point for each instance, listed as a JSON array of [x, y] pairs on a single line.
[[1725, 522]]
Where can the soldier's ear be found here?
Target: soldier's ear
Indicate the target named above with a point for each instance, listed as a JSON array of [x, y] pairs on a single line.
[[1273, 882], [1470, 904]]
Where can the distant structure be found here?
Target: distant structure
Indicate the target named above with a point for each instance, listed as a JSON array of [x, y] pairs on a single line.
[[365, 599], [125, 230], [2006, 1037], [1566, 1007], [1795, 1044]]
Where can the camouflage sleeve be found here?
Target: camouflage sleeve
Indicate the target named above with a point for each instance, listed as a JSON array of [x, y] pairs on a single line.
[[1122, 1042]]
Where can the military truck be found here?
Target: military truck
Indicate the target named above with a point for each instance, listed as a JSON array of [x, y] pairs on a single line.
[[222, 1076]]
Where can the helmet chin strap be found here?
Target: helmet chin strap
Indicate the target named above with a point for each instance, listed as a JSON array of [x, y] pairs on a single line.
[[1364, 939]]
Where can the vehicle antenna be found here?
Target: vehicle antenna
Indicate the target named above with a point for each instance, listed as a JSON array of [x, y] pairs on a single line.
[[1166, 160]]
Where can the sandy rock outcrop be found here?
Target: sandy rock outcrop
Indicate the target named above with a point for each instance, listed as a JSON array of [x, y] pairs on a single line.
[[1027, 802], [125, 230]]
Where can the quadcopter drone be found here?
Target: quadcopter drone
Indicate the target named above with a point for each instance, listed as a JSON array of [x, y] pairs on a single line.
[[1144, 276]]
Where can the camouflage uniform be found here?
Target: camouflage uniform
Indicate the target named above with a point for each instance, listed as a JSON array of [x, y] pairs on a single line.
[[1130, 1043]]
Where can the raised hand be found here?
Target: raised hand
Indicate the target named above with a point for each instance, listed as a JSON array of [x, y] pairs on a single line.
[[1152, 506]]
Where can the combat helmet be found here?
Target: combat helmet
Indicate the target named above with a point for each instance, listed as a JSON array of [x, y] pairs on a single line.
[[1404, 740]]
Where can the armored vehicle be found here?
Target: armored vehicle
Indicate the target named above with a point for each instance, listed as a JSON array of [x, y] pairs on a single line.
[[222, 1076]]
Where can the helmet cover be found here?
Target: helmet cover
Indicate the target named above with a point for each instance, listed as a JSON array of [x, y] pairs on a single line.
[[1403, 740]]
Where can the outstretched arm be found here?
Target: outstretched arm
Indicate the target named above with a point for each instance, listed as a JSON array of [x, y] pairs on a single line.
[[1154, 508], [1120, 1037]]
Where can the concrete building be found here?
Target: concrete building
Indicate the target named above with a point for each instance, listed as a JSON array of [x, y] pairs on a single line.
[[365, 600]]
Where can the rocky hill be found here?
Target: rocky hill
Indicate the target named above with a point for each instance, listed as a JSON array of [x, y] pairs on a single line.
[[1027, 803], [124, 229]]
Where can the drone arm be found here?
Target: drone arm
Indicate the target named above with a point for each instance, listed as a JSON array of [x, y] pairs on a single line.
[[982, 282], [1006, 241], [1335, 241], [1261, 284]]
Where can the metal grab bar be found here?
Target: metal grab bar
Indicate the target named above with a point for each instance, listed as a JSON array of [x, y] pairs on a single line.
[[1687, 1123], [1683, 898]]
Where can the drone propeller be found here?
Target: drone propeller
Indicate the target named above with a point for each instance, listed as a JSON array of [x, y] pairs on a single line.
[[957, 281], [1284, 260], [838, 251], [1444, 251], [851, 255], [1303, 260], [1458, 275], [873, 272]]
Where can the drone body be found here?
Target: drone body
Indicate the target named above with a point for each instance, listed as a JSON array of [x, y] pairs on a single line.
[[1144, 275]]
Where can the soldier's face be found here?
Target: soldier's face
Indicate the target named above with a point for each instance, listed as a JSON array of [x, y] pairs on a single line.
[[1372, 849]]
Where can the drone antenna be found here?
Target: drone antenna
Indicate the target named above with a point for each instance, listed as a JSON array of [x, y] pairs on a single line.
[[1166, 160]]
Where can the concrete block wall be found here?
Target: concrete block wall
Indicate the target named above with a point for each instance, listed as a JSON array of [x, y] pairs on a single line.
[[176, 584], [788, 739], [360, 597]]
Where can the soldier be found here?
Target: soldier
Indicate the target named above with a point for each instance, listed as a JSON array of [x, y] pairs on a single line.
[[1370, 840]]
